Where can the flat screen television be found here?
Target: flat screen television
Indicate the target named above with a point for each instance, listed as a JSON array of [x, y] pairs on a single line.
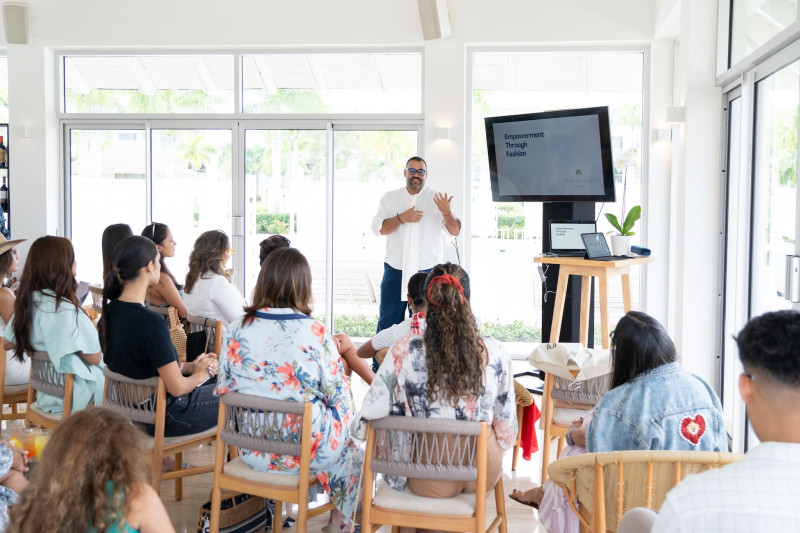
[[554, 156]]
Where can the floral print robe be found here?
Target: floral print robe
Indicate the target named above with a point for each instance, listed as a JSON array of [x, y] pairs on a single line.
[[286, 355], [400, 388]]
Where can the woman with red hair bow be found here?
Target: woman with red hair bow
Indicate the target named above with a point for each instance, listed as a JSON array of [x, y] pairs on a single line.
[[448, 372]]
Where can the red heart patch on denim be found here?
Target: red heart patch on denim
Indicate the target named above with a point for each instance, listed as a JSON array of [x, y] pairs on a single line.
[[693, 428]]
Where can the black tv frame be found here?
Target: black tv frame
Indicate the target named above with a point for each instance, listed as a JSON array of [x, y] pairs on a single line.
[[605, 152]]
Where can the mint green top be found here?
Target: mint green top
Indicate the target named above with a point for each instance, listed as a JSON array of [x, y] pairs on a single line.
[[62, 333], [115, 527]]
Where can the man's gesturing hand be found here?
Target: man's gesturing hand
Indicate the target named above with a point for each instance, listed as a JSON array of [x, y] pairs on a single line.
[[410, 215], [443, 202]]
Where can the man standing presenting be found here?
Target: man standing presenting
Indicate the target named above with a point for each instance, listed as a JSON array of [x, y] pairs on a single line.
[[412, 218]]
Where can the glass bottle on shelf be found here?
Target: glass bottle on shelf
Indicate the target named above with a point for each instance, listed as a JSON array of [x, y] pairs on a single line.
[[4, 194]]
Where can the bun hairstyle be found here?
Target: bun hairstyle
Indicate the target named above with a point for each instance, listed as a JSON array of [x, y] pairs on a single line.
[[452, 345], [208, 255], [133, 254], [157, 232], [418, 289]]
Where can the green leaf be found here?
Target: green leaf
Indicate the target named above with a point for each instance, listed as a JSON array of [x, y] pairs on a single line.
[[633, 215], [612, 219]]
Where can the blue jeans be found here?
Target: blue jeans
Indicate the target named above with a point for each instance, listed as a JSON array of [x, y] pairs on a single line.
[[190, 413], [392, 308]]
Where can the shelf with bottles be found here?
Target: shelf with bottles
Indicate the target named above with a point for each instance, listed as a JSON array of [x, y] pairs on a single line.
[[5, 193]]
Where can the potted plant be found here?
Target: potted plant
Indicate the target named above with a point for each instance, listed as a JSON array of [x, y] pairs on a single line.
[[621, 241]]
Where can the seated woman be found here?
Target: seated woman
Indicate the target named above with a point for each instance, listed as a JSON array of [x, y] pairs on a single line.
[[344, 345], [278, 351], [653, 404], [102, 455], [112, 236], [48, 317], [448, 372], [17, 372], [209, 291], [418, 303], [167, 292], [136, 341]]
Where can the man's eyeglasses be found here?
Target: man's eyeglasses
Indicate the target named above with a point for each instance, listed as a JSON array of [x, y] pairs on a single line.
[[417, 172]]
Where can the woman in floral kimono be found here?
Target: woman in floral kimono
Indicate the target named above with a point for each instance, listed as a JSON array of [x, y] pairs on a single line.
[[278, 351], [448, 372]]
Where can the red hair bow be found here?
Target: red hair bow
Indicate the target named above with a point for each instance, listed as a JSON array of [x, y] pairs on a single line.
[[445, 279]]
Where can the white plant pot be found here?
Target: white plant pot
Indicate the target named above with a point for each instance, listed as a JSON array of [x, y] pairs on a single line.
[[621, 244]]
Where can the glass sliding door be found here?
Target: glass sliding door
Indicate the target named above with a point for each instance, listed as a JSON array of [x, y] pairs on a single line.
[[774, 188], [106, 185], [192, 187], [285, 194], [367, 164]]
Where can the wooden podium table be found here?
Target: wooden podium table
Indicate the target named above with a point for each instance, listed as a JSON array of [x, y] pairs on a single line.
[[586, 268]]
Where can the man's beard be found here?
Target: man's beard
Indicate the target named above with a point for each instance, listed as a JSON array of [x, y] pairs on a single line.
[[415, 184]]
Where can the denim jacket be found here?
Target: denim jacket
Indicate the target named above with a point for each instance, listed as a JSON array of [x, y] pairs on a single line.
[[665, 408]]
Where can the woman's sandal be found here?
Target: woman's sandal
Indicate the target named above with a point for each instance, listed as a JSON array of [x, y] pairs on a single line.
[[532, 497]]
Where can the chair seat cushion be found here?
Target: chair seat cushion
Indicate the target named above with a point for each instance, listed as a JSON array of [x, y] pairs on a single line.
[[406, 500], [51, 416], [171, 441], [564, 417], [239, 468], [15, 389]]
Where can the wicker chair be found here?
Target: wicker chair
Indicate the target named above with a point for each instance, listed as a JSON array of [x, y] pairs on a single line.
[[144, 401], [12, 396], [268, 426], [96, 292], [601, 487], [45, 378], [428, 448]]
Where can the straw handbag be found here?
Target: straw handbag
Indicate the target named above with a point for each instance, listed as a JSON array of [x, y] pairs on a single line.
[[177, 333]]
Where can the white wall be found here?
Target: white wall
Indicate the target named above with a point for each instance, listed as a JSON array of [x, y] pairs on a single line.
[[182, 24]]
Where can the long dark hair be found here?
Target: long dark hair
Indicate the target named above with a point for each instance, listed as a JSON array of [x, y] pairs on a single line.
[[452, 344], [157, 232], [208, 254], [6, 260], [69, 490], [133, 254], [112, 236], [48, 266], [638, 344], [284, 281]]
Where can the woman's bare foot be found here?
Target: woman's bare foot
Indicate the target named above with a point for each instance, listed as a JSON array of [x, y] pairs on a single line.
[[532, 497]]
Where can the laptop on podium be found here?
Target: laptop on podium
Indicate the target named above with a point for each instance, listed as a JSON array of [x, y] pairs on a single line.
[[565, 237], [597, 248]]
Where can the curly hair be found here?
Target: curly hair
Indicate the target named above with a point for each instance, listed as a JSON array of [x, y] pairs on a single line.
[[452, 344], [269, 244], [208, 255], [284, 281], [87, 476], [769, 345]]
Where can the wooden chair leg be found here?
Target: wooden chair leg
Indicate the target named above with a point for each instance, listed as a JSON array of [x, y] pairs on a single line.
[[514, 452], [179, 480], [216, 504], [561, 443], [500, 505], [277, 517], [302, 515]]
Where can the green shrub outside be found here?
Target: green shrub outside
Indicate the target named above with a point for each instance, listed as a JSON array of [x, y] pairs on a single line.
[[510, 221], [273, 223]]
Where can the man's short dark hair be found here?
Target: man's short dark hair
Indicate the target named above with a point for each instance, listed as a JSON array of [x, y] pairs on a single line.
[[418, 159], [770, 344]]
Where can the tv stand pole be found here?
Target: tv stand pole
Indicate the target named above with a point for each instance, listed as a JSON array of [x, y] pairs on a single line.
[[570, 325]]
